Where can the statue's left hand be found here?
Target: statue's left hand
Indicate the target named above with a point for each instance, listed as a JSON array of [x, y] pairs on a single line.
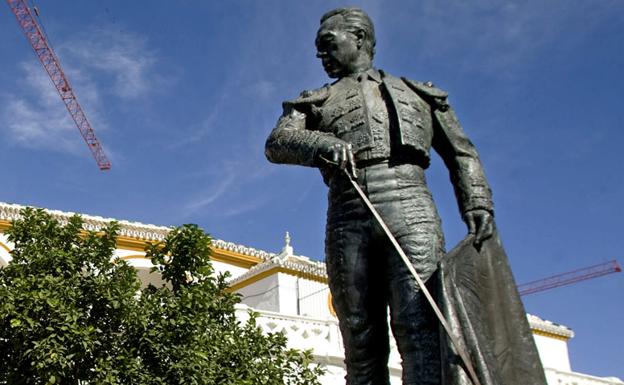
[[480, 223]]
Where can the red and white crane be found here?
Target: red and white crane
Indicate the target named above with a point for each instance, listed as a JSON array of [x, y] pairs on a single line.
[[43, 50], [570, 277]]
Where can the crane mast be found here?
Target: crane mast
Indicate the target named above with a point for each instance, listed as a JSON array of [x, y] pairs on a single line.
[[52, 65]]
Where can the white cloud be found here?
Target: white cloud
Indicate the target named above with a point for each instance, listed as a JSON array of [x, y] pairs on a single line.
[[226, 191], [200, 130], [261, 90], [100, 64], [244, 207], [125, 57], [40, 119], [33, 128], [209, 195]]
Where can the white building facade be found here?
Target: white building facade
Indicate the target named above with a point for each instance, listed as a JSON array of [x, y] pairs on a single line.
[[291, 296]]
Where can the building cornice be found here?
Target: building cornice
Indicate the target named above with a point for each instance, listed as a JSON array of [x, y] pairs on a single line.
[[549, 329], [135, 235], [297, 266]]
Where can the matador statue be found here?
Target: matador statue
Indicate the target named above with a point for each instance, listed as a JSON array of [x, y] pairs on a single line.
[[380, 128]]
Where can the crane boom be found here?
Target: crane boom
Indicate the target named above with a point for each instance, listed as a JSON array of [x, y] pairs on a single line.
[[52, 65], [569, 277]]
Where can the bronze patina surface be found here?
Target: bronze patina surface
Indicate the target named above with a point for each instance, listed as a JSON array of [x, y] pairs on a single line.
[[381, 128]]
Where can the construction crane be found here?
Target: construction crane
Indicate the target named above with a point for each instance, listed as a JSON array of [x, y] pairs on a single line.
[[52, 65], [569, 277]]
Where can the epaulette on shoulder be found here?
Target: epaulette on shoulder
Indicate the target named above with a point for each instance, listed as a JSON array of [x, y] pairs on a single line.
[[310, 97], [432, 94]]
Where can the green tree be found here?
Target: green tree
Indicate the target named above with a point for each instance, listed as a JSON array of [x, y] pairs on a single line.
[[72, 314]]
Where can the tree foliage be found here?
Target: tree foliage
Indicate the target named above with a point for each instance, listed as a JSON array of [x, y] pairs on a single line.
[[72, 314]]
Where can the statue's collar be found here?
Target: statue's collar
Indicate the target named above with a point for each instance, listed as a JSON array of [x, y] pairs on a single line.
[[371, 73]]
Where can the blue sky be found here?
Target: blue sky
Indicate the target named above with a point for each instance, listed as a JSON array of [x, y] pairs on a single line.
[[183, 95]]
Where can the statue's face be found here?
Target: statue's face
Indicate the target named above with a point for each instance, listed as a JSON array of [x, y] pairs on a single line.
[[337, 48]]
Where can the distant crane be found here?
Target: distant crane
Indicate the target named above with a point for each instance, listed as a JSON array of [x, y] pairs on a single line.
[[50, 61], [569, 277]]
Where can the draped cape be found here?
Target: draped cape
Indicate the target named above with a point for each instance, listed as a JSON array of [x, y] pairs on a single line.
[[479, 298]]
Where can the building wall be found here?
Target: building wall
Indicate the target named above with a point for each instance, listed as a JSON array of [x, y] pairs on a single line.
[[5, 246], [314, 299], [222, 267], [553, 352], [262, 294], [143, 266], [304, 297]]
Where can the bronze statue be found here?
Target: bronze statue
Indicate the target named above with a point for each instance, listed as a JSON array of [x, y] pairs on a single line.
[[380, 129]]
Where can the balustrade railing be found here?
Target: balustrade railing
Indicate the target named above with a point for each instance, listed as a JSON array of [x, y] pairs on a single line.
[[557, 377], [323, 337]]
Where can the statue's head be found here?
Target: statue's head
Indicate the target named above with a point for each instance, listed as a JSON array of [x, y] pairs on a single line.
[[345, 42]]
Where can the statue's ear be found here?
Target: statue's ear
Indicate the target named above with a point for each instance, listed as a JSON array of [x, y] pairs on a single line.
[[361, 36]]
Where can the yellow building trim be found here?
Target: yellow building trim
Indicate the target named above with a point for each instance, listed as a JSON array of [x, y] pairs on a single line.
[[4, 225], [275, 270], [233, 258], [134, 244], [134, 256], [218, 255], [247, 282], [330, 305], [549, 335], [123, 242], [5, 247]]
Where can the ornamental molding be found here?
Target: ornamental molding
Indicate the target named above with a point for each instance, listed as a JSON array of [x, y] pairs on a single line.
[[548, 327], [240, 249], [290, 264], [575, 378], [134, 230]]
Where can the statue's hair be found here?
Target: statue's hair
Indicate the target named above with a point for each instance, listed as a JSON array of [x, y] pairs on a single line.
[[355, 20]]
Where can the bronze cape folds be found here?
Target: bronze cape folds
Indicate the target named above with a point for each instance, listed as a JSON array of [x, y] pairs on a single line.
[[478, 296]]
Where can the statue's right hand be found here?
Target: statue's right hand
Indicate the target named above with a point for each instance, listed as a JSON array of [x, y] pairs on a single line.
[[339, 154]]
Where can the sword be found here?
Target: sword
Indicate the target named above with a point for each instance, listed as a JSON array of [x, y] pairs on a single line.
[[460, 351]]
